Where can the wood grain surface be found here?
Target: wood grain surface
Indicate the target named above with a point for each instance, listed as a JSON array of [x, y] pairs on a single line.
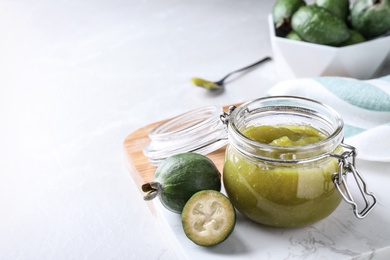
[[140, 168]]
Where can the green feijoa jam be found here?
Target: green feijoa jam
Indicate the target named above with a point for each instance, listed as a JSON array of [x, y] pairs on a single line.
[[281, 194]]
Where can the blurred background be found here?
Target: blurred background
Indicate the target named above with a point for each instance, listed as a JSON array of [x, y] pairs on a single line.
[[77, 77]]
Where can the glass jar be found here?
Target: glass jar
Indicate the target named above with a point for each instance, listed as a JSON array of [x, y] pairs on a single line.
[[281, 186]]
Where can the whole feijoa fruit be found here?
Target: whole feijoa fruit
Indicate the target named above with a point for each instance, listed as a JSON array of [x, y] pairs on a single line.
[[371, 17], [179, 177], [293, 36], [339, 8], [315, 24], [354, 38], [282, 11]]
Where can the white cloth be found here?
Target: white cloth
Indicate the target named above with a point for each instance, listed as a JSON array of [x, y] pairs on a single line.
[[364, 106]]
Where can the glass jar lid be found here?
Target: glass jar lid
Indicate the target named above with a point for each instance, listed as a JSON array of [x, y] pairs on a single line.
[[200, 130]]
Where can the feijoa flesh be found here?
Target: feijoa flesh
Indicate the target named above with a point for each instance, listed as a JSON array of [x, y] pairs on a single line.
[[208, 218]]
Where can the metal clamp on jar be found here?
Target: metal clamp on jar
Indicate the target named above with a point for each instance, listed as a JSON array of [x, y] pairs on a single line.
[[272, 174]]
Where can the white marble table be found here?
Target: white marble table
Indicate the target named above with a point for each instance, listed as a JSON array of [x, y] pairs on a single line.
[[76, 77]]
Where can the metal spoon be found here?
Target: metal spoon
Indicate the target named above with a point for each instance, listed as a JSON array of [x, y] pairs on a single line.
[[219, 84]]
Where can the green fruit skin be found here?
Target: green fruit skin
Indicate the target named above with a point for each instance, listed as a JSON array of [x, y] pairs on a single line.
[[339, 8], [315, 24], [183, 175], [282, 12], [355, 37], [371, 20], [293, 36]]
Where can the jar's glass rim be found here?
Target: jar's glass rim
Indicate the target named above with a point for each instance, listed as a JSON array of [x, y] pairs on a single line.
[[286, 101]]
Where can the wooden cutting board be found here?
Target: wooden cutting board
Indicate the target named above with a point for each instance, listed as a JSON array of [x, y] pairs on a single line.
[[140, 168]]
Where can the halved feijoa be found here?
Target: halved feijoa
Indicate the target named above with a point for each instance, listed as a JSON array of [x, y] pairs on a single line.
[[208, 218]]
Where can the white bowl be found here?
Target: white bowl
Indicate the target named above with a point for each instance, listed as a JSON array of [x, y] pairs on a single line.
[[296, 59]]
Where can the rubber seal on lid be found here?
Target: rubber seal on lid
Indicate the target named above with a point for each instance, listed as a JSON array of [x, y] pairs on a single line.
[[200, 130]]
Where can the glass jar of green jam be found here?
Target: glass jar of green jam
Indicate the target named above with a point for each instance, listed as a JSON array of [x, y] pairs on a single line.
[[285, 161], [277, 170]]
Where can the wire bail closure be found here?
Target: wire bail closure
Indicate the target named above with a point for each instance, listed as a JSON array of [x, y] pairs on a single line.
[[226, 116], [347, 165]]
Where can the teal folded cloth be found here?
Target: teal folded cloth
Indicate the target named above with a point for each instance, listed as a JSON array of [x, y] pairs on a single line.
[[364, 106]]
